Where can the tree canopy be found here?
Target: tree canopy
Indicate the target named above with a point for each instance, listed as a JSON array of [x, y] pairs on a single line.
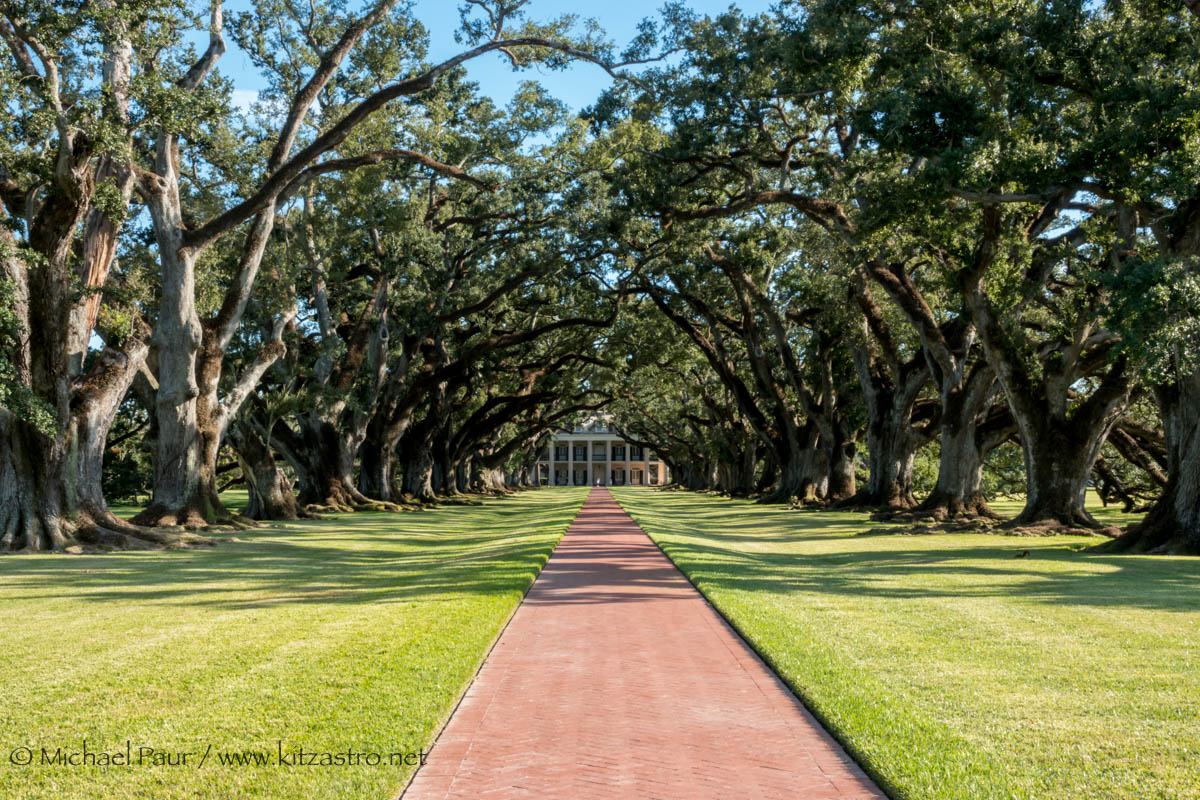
[[898, 257]]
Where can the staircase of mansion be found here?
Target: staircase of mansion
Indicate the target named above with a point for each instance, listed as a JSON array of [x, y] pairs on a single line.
[[593, 454]]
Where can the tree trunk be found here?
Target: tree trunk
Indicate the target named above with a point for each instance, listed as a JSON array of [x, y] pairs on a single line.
[[892, 437], [1173, 525], [447, 485], [323, 459], [375, 469], [959, 490], [1058, 461], [840, 454], [418, 477], [892, 448], [958, 493], [187, 495], [50, 488], [271, 494], [180, 496], [1059, 448], [803, 478], [331, 477]]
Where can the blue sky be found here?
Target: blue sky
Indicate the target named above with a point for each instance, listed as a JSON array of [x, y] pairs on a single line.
[[577, 86]]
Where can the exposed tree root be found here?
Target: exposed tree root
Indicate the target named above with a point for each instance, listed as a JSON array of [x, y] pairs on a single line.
[[940, 510], [157, 517], [314, 510], [1056, 528], [1158, 534], [235, 522], [111, 533], [329, 508], [988, 525]]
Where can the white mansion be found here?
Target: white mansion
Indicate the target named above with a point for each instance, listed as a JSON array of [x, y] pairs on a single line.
[[592, 453]]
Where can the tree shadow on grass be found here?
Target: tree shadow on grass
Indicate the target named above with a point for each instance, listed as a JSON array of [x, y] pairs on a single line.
[[1051, 574], [356, 559], [707, 537]]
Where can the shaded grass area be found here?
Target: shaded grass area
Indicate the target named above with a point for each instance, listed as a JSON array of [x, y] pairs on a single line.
[[354, 633], [949, 667]]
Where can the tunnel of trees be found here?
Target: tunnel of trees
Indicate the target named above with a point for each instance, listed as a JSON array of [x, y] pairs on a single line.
[[897, 257]]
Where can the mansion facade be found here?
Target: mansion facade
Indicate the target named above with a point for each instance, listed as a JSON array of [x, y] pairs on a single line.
[[594, 454]]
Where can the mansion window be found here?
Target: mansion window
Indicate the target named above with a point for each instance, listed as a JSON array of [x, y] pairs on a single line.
[[618, 452], [635, 452], [581, 452], [560, 452]]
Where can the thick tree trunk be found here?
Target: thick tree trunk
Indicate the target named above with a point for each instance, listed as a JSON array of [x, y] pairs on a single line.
[[1058, 461], [375, 469], [959, 490], [804, 468], [1173, 524], [330, 481], [323, 459], [494, 481], [892, 437], [418, 477], [958, 493], [695, 475], [1059, 448], [50, 488], [840, 454], [446, 484], [187, 496], [1057, 468], [892, 449], [803, 478], [739, 473], [271, 494], [180, 495]]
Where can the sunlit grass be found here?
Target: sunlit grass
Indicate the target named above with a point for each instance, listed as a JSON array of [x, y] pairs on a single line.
[[951, 668], [356, 632]]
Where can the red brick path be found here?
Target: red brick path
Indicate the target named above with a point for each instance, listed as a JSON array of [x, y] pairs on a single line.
[[615, 679]]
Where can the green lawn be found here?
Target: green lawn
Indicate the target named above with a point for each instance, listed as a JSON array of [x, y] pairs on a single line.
[[357, 633], [950, 668]]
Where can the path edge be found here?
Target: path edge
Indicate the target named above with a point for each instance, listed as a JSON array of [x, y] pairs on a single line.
[[886, 786], [441, 728]]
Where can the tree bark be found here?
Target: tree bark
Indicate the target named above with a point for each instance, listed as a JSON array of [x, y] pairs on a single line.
[[893, 438], [841, 453], [1059, 446], [965, 445], [271, 494], [1173, 523], [50, 487], [891, 388], [375, 468], [418, 477]]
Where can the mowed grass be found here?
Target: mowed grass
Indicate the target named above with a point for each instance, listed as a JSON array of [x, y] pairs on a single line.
[[949, 667], [354, 633]]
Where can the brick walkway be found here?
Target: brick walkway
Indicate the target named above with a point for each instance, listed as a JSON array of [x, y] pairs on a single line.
[[615, 679]]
